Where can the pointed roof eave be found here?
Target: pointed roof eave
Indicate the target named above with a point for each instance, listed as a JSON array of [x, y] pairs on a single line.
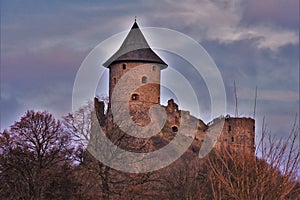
[[135, 48]]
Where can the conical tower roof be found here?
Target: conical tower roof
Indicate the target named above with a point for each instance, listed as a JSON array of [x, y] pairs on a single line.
[[135, 48]]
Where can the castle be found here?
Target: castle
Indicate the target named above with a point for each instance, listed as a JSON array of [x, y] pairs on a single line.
[[137, 69]]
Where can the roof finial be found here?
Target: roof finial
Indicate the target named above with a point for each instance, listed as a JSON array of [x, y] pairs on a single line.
[[135, 18]]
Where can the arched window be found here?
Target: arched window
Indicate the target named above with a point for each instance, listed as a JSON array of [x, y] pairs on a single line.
[[115, 80], [144, 79], [174, 129], [135, 97], [124, 66]]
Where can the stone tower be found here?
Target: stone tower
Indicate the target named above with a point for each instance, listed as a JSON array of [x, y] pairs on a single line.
[[237, 134], [140, 67]]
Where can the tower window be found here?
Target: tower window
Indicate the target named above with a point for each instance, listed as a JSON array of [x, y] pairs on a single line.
[[232, 139], [144, 79], [153, 68], [124, 66], [229, 128], [174, 129], [135, 97], [114, 80], [242, 138], [158, 99]]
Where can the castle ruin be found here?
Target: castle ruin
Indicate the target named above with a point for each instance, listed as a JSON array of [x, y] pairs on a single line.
[[136, 56]]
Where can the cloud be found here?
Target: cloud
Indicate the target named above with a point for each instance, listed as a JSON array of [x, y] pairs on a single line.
[[269, 95], [282, 13], [223, 21], [267, 37], [55, 98], [77, 27], [253, 42], [38, 80]]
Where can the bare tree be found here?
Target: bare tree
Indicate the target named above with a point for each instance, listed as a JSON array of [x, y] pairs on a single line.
[[255, 100], [84, 126], [179, 180], [32, 152], [79, 124], [271, 174], [236, 100]]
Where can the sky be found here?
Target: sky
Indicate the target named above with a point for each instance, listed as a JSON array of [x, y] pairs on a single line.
[[254, 43]]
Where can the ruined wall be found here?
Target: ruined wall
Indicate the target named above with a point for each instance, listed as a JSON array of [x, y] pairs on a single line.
[[238, 134], [174, 123]]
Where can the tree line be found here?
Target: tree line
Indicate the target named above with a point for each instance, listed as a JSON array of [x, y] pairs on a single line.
[[45, 158]]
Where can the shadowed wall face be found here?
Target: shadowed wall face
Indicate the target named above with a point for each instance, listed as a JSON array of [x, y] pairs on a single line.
[[238, 134]]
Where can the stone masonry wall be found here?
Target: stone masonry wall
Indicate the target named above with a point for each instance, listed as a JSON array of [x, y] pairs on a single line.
[[237, 133], [148, 92]]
